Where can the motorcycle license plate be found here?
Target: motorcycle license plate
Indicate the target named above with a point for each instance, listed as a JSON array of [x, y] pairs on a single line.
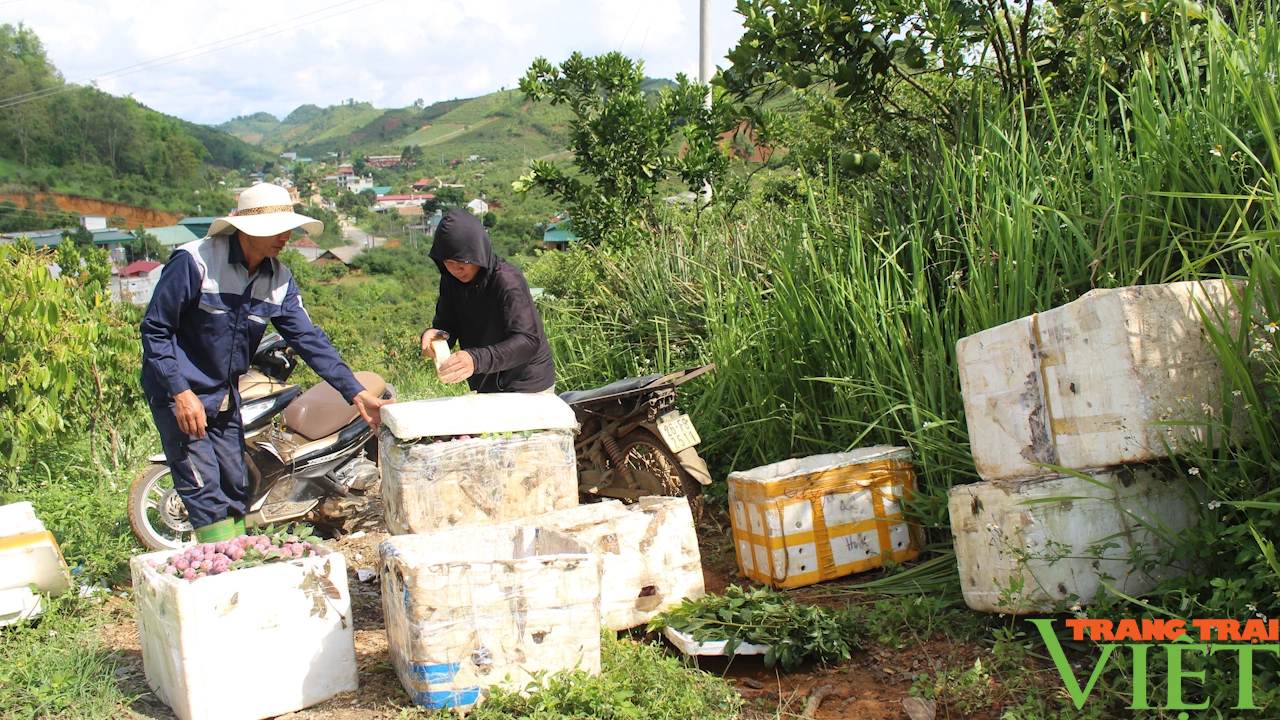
[[677, 431]]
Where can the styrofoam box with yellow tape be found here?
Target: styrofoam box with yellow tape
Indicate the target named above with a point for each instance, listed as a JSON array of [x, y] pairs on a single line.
[[29, 553], [806, 520]]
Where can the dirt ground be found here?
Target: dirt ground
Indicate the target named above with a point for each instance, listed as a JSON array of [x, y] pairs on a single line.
[[872, 686]]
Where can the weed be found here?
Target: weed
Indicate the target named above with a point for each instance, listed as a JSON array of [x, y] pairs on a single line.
[[55, 667], [636, 680]]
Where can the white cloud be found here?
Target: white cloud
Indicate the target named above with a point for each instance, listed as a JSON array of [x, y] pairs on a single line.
[[388, 53]]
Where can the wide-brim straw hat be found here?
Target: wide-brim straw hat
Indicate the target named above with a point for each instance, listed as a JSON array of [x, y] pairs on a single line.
[[265, 210]]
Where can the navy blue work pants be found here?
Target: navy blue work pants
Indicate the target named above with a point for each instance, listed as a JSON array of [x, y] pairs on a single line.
[[208, 472]]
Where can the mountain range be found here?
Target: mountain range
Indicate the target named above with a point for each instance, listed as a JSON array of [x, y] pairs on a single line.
[[501, 125]]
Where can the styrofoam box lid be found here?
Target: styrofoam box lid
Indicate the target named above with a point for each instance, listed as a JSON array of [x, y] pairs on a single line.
[[475, 414], [685, 643], [821, 463], [19, 519]]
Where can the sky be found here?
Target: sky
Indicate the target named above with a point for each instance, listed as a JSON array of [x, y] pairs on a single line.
[[272, 55]]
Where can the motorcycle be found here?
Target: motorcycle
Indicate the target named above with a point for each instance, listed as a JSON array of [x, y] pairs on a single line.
[[314, 465], [633, 441]]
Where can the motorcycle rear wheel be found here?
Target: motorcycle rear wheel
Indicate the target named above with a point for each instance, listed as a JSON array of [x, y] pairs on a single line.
[[156, 513], [643, 451]]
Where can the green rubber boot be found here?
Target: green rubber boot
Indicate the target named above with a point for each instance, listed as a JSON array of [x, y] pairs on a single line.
[[221, 530], [238, 523]]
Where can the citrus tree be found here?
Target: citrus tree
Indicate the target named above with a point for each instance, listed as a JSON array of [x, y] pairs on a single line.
[[626, 142], [68, 356]]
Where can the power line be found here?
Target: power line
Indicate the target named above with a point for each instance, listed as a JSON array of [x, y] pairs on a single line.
[[639, 7], [224, 44], [155, 61]]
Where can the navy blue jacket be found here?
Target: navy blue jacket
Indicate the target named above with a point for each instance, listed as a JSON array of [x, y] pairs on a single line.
[[207, 317]]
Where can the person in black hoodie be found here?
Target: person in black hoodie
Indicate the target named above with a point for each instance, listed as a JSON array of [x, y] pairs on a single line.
[[486, 307]]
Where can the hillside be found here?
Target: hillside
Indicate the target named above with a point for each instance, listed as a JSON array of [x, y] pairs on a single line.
[[78, 140], [499, 125]]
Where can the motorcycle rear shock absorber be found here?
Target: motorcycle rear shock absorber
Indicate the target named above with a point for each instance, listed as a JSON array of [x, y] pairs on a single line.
[[615, 454]]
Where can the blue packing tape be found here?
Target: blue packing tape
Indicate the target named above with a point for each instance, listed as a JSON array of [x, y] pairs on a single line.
[[434, 673], [439, 699]]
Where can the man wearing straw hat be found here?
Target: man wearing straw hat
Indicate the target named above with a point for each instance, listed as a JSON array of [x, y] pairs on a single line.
[[207, 315]]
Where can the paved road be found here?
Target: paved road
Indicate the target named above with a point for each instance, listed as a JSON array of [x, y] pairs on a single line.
[[356, 236]]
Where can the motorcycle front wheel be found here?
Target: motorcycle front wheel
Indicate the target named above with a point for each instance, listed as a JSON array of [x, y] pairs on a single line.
[[156, 513], [658, 466]]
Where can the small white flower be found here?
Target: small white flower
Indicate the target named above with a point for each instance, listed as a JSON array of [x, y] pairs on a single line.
[[1272, 327], [1236, 393], [1216, 151], [1214, 504], [1193, 471]]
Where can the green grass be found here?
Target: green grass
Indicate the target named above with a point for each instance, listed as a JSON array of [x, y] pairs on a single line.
[[57, 666], [636, 680]]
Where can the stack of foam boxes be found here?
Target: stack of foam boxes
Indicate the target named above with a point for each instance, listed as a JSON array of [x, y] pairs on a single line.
[[1091, 387], [494, 574]]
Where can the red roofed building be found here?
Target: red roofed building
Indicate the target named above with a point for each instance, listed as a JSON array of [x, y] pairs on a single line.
[[137, 280], [139, 267], [305, 247], [425, 183]]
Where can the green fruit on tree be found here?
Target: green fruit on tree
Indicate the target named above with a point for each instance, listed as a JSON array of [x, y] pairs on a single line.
[[851, 161], [871, 161], [802, 79], [913, 58]]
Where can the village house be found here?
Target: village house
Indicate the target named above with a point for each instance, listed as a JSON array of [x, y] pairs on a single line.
[[559, 233], [410, 204], [383, 161], [306, 247], [358, 184], [137, 281], [342, 254]]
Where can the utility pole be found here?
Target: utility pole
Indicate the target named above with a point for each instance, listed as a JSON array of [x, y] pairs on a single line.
[[704, 66], [704, 46]]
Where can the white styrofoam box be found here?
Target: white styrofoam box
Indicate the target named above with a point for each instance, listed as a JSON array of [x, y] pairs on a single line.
[[428, 486], [1039, 544], [29, 553], [471, 608], [18, 604], [476, 414], [685, 643], [648, 551], [1085, 385], [246, 644], [19, 519]]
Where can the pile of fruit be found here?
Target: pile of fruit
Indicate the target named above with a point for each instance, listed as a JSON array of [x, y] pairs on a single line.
[[236, 554]]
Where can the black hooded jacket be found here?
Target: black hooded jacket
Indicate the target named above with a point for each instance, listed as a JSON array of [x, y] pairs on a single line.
[[492, 317]]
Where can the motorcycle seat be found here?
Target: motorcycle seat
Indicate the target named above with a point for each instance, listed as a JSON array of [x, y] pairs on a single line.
[[613, 388], [322, 411]]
